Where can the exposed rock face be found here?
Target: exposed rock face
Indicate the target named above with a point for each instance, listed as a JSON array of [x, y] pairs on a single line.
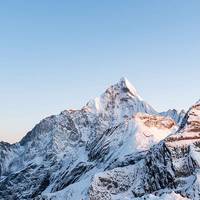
[[115, 147]]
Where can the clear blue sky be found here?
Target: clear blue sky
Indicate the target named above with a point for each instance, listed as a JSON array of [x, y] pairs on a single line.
[[56, 55]]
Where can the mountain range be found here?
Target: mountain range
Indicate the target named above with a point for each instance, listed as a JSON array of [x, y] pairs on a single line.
[[116, 147]]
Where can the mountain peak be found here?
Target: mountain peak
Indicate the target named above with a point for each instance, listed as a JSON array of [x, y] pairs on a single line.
[[198, 102], [126, 86], [118, 102]]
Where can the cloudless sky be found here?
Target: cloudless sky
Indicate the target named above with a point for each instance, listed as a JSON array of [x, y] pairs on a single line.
[[56, 55]]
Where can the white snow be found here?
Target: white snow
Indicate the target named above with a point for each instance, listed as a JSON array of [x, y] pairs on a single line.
[[147, 136]]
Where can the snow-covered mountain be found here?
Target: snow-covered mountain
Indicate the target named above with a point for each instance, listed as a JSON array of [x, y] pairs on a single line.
[[116, 147], [175, 115]]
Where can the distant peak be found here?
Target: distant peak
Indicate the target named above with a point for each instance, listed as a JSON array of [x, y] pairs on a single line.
[[198, 102], [128, 87], [124, 79]]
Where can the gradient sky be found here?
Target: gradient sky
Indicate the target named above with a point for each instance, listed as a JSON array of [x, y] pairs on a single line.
[[56, 55]]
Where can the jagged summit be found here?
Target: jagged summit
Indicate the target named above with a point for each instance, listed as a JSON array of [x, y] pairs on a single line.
[[198, 102], [126, 86], [118, 102], [175, 115]]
